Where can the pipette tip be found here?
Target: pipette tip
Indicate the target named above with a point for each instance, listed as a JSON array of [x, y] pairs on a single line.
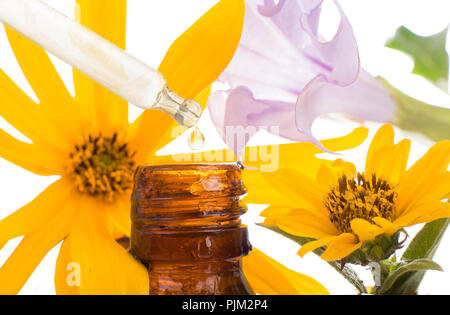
[[185, 112]]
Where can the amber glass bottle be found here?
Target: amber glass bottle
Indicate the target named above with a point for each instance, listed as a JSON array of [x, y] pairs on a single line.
[[187, 228]]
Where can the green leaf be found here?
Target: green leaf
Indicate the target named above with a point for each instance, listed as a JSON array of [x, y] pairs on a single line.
[[348, 273], [416, 116], [394, 283], [429, 54], [426, 242], [423, 246]]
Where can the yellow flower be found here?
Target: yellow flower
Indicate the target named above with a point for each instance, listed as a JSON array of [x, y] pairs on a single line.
[[265, 275], [347, 211], [89, 142]]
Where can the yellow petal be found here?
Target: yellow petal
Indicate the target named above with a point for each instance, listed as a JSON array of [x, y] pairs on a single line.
[[388, 227], [302, 222], [261, 191], [66, 271], [119, 216], [214, 156], [153, 132], [197, 58], [56, 101], [98, 105], [438, 188], [38, 69], [270, 187], [295, 155], [268, 277], [422, 213], [29, 156], [33, 248], [350, 141], [341, 247], [294, 185], [106, 18], [422, 175], [401, 152], [276, 211], [340, 167], [365, 230], [25, 115], [36, 213], [326, 178], [311, 246], [106, 268], [203, 97], [391, 163], [384, 139]]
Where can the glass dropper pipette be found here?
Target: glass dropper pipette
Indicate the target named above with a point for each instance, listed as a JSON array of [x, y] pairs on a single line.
[[96, 57]]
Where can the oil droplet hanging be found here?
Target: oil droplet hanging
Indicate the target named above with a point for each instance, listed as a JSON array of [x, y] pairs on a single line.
[[196, 140]]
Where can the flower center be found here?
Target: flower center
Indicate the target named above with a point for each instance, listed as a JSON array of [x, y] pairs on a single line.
[[360, 197], [102, 166]]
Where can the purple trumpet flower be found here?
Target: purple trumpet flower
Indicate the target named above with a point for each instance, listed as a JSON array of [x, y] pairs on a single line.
[[285, 75]]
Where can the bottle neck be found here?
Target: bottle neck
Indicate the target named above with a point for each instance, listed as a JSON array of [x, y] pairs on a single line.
[[186, 227]]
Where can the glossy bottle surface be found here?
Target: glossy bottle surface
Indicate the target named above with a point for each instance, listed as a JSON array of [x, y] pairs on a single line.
[[187, 229]]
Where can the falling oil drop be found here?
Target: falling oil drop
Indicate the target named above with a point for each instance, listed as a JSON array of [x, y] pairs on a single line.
[[196, 140]]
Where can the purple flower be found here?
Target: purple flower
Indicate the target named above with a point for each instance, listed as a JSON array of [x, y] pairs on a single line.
[[285, 75]]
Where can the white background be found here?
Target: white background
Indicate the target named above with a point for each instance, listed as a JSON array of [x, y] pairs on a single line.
[[154, 24]]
